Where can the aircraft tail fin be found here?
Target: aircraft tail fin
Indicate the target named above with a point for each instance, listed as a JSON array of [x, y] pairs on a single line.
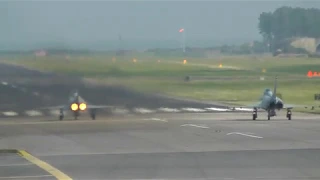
[[274, 95], [74, 96]]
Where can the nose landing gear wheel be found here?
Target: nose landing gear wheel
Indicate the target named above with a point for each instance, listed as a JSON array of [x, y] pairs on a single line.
[[289, 114], [269, 114], [76, 114], [61, 115], [254, 114], [93, 114]]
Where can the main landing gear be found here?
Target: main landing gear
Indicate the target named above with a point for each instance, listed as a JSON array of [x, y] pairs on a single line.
[[271, 113], [93, 114], [254, 114], [289, 113], [76, 114], [61, 115]]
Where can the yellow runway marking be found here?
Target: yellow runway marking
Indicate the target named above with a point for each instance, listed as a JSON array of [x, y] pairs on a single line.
[[45, 166]]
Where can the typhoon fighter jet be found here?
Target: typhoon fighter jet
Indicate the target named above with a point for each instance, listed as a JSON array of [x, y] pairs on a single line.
[[270, 102], [77, 104]]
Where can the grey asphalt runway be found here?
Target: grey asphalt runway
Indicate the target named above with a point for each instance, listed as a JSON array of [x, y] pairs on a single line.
[[160, 146], [13, 166]]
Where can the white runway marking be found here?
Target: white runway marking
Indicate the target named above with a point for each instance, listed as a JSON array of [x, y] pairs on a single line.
[[33, 113], [217, 109], [143, 110], [194, 125], [22, 164], [24, 177], [243, 109], [10, 113], [156, 119], [243, 134], [193, 109], [168, 109]]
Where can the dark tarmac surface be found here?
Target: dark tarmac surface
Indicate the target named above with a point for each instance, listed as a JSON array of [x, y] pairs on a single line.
[[227, 146]]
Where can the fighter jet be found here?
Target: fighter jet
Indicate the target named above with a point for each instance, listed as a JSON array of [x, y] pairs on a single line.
[[77, 104], [270, 102]]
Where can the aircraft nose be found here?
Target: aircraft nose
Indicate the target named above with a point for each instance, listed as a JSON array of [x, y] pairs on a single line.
[[279, 105]]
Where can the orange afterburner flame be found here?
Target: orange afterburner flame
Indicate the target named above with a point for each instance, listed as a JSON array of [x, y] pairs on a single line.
[[83, 106], [74, 107]]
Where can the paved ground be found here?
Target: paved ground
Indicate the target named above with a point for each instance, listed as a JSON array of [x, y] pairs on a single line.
[[13, 166], [154, 145], [163, 146]]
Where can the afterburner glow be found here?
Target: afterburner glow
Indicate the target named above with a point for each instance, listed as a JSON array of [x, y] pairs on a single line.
[[83, 106], [74, 107]]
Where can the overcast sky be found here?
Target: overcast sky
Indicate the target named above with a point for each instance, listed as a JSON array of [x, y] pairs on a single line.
[[74, 22]]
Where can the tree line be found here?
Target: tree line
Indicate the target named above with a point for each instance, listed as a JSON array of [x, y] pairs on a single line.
[[287, 22]]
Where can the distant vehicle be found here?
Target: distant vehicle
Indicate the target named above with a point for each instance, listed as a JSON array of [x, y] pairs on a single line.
[[270, 102], [77, 104]]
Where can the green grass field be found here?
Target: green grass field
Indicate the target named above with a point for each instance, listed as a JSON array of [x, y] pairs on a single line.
[[237, 81]]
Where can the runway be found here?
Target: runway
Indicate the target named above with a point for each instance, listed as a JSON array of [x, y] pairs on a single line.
[[160, 147], [227, 145]]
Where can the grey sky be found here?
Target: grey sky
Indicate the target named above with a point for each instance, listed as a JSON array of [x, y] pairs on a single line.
[[74, 22]]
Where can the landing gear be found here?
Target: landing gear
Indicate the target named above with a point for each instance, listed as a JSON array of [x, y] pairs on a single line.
[[76, 114], [289, 114], [254, 114], [93, 114], [61, 115], [271, 113]]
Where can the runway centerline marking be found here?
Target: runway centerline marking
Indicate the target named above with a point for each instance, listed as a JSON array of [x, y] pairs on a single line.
[[243, 134], [194, 125], [155, 119], [24, 177], [45, 166]]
